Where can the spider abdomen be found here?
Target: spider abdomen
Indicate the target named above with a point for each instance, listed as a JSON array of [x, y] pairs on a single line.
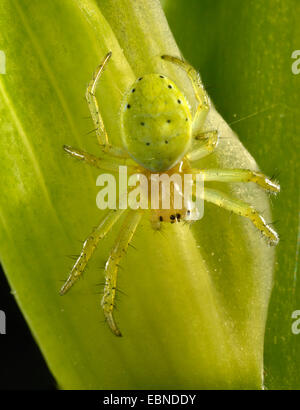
[[156, 122]]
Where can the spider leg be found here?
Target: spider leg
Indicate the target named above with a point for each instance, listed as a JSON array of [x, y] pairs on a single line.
[[238, 175], [201, 95], [241, 208], [89, 246], [206, 143], [95, 112], [112, 265], [108, 164]]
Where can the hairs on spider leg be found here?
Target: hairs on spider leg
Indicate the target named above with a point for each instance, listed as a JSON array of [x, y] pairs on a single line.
[[101, 292], [276, 175], [102, 284], [118, 290], [90, 132], [132, 246], [97, 293], [275, 223], [72, 257], [98, 284]]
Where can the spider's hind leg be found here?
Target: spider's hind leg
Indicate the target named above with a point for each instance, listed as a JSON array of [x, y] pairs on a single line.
[[89, 247], [239, 175], [111, 269], [243, 209]]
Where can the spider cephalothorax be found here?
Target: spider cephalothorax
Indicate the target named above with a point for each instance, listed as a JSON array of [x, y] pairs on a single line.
[[157, 124]]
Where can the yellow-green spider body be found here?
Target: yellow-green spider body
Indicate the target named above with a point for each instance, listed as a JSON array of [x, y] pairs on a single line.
[[156, 122], [157, 133]]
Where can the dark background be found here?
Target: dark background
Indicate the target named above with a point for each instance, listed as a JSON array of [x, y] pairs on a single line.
[[22, 366]]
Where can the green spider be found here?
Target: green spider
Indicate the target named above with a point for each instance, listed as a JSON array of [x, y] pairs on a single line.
[[157, 124]]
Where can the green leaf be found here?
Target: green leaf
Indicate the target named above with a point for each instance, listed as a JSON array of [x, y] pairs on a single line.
[[197, 298], [243, 50]]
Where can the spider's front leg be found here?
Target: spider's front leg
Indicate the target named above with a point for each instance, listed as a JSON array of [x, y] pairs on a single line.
[[240, 208], [95, 112], [206, 142], [201, 95], [112, 265], [89, 247]]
